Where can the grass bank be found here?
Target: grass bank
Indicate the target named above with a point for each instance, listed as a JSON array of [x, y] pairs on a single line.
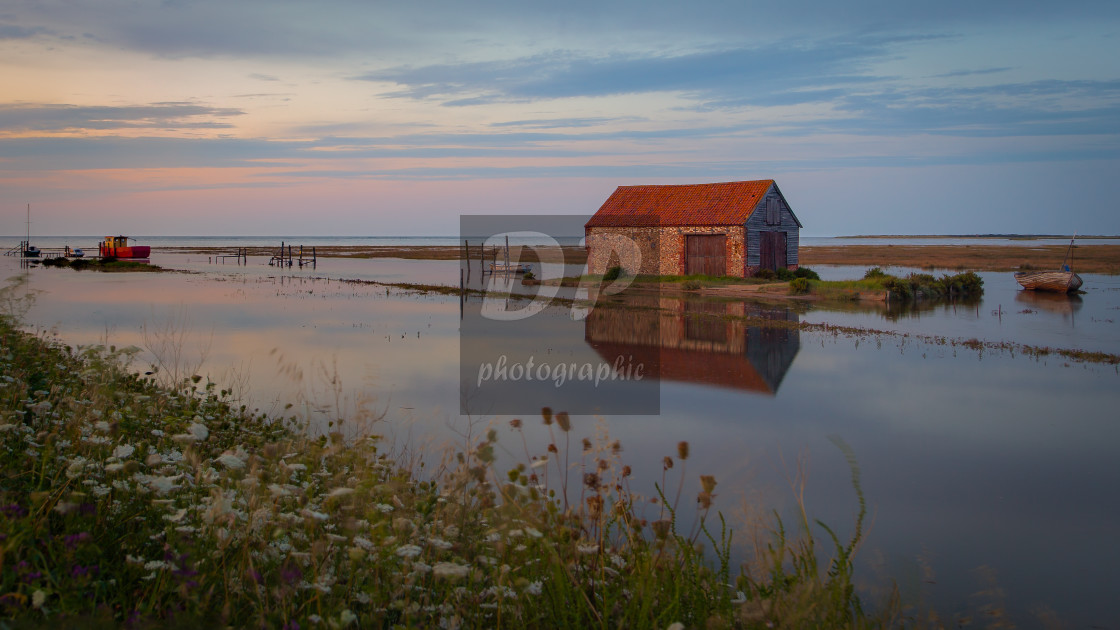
[[126, 503], [111, 265]]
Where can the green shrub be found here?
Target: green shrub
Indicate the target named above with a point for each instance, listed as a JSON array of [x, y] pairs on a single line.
[[805, 272], [875, 272], [766, 274], [799, 286], [612, 274], [692, 285], [785, 275]]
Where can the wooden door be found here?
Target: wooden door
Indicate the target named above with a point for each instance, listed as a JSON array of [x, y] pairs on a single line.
[[772, 250], [705, 254]]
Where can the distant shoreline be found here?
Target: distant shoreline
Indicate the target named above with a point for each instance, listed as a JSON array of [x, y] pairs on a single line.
[[1023, 237]]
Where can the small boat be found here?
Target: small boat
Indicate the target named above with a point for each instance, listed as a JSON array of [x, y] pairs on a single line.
[[77, 253], [1061, 281], [510, 268], [30, 251], [118, 247]]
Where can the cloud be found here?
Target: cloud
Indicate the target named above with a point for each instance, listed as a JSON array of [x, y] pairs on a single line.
[[15, 31], [62, 117], [722, 74]]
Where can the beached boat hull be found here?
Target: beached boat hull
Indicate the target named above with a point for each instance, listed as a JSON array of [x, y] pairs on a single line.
[[134, 251], [1059, 281], [511, 268], [118, 247]]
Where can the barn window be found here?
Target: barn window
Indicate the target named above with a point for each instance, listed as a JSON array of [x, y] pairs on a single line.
[[773, 211]]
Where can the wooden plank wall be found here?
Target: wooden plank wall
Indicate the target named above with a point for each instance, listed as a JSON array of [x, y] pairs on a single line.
[[757, 223]]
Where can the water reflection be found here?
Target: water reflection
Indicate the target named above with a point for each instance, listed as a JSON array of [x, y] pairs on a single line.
[[727, 344], [1059, 303]]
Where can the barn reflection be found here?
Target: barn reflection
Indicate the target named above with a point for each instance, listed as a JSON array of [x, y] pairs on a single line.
[[726, 344]]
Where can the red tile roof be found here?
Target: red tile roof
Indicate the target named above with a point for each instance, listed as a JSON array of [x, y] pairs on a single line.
[[728, 203]]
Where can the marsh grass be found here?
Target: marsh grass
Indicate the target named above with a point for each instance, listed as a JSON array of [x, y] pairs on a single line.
[[101, 264], [124, 502]]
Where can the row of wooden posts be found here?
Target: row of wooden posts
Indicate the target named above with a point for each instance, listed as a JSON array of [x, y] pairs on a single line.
[[465, 273], [285, 257], [280, 259]]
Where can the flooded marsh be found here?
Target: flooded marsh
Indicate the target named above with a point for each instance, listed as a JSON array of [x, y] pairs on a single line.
[[980, 464]]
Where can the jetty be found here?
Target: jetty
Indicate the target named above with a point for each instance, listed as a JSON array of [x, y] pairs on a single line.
[[291, 258]]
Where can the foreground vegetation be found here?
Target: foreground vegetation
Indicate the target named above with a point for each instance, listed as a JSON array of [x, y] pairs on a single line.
[[126, 503]]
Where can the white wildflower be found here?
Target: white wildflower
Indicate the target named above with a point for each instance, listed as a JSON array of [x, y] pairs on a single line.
[[346, 617], [384, 508], [158, 433], [40, 407], [535, 533], [450, 570], [340, 492], [319, 516], [101, 425], [439, 543], [296, 467], [176, 517], [587, 549], [112, 468], [230, 461], [153, 565], [315, 619], [123, 451], [675, 626], [199, 431], [540, 462], [7, 427], [533, 588], [38, 598], [278, 490], [163, 485], [153, 460], [76, 467], [408, 551]]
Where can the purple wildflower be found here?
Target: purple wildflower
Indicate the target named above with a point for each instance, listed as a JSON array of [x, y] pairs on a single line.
[[13, 510]]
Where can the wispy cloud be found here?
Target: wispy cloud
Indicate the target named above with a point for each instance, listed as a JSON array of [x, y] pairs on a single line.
[[15, 31], [49, 117], [723, 74]]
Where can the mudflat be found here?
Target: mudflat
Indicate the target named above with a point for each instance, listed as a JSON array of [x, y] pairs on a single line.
[[1085, 258]]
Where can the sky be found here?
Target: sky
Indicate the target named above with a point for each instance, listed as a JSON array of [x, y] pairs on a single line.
[[368, 118]]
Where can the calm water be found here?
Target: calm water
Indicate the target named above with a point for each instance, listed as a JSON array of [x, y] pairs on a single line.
[[979, 468], [89, 242]]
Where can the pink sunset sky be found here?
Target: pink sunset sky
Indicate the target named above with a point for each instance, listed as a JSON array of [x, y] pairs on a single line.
[[366, 118]]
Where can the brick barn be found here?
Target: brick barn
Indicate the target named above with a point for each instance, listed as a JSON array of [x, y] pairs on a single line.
[[725, 229]]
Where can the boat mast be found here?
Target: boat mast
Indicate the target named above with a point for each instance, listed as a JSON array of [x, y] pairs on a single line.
[[1069, 250], [29, 225]]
